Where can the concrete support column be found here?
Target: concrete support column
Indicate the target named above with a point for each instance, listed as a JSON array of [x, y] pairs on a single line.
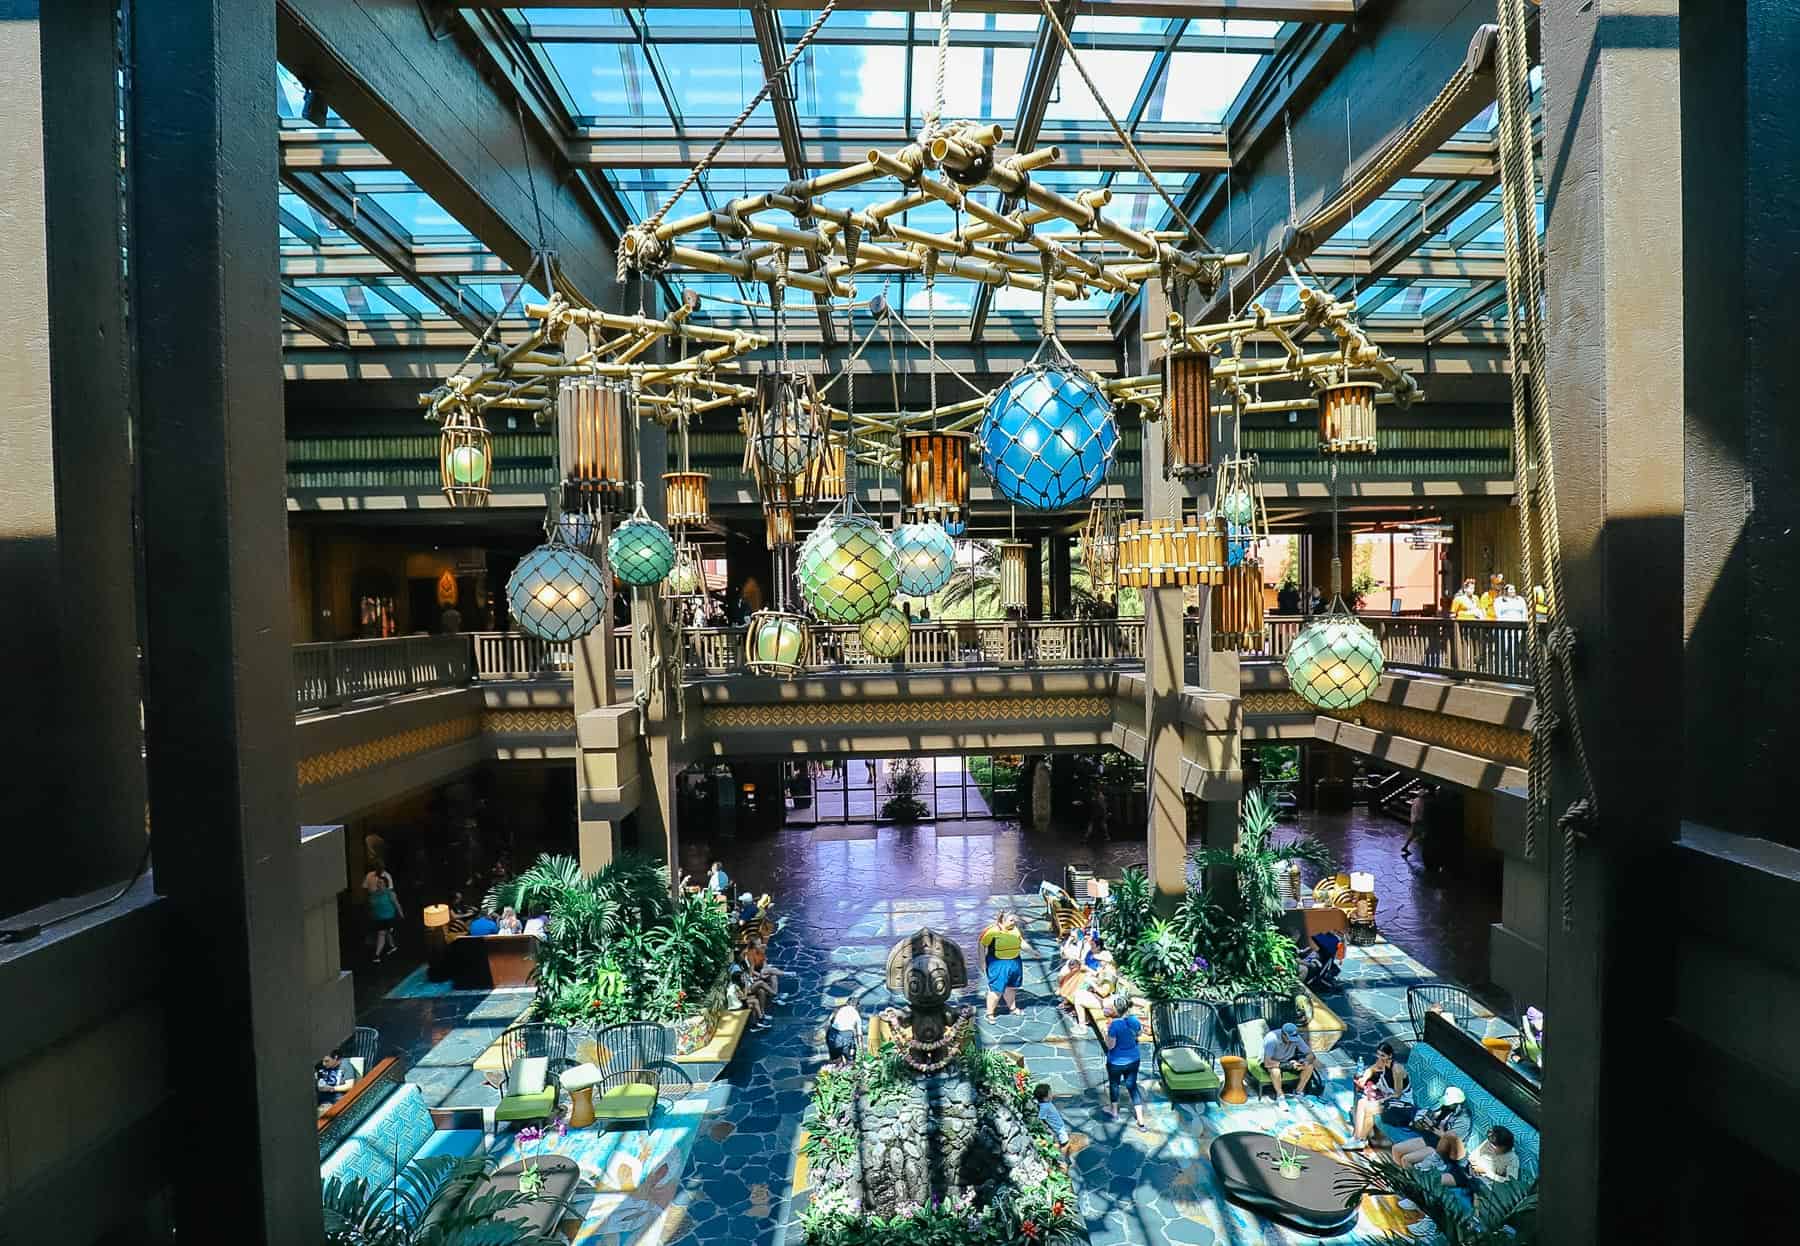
[[218, 696], [1614, 343], [1061, 555], [656, 686]]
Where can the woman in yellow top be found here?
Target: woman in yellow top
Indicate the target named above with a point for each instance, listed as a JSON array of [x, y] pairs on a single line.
[[1466, 604], [1001, 943]]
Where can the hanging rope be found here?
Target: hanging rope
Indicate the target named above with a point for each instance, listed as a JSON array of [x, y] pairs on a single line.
[[936, 115], [1551, 645]]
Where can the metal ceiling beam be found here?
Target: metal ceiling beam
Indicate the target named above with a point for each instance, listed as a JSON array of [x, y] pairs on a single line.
[[307, 311], [1242, 10], [385, 239], [1360, 270], [458, 128], [897, 36], [773, 50], [1462, 310], [1401, 237]]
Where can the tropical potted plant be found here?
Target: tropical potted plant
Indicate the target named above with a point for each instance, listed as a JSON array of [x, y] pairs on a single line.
[[904, 780], [1499, 1214], [428, 1204]]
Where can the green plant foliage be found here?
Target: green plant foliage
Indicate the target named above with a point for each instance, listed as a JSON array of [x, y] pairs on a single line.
[[904, 781], [1256, 861], [1503, 1214], [1162, 963], [359, 1214], [1127, 913]]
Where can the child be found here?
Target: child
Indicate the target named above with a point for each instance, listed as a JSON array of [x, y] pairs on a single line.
[[1052, 1116]]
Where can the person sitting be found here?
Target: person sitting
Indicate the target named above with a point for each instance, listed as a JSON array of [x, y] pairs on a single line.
[[753, 996], [1051, 894], [756, 962], [747, 908], [461, 914], [844, 1034], [1439, 1144], [1495, 1161], [485, 924], [1089, 989], [333, 1076], [1375, 1085], [1285, 1051], [1052, 1117], [509, 922]]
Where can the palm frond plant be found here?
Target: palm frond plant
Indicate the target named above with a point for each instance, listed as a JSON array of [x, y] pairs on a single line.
[[1501, 1214], [974, 590], [427, 1205], [1255, 861]]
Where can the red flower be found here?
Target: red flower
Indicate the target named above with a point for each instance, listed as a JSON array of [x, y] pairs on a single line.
[[1056, 1208], [1029, 1228]]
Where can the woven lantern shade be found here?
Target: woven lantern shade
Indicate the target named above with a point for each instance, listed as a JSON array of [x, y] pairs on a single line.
[[1158, 553], [591, 415], [778, 524], [465, 458], [1100, 546], [886, 634], [934, 476], [847, 569], [775, 642], [1237, 609], [1014, 560], [1241, 510], [687, 575], [826, 479], [925, 556], [785, 433], [1347, 418], [1187, 411], [1335, 662], [556, 592], [1047, 436], [684, 496], [640, 550]]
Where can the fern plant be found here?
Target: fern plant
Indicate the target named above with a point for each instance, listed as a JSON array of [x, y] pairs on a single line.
[[357, 1213], [1501, 1214]]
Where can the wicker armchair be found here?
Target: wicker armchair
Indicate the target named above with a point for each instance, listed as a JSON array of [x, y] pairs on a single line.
[[1454, 1002], [528, 1089], [364, 1048], [1186, 1045], [1252, 1017], [637, 1046], [628, 1095]]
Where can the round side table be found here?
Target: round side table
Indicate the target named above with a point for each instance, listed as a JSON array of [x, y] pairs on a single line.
[[581, 1107], [1233, 1067]]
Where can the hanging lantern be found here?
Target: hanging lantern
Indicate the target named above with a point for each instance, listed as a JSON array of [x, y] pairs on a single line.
[[640, 550], [847, 570], [1335, 662], [556, 592], [775, 642], [826, 480], [1014, 560], [1048, 436], [1158, 553], [1237, 609], [591, 415], [465, 458], [778, 523], [885, 635], [934, 476], [687, 575], [925, 557], [1187, 407], [1100, 546], [684, 495], [1347, 418], [1241, 508], [581, 530], [786, 433]]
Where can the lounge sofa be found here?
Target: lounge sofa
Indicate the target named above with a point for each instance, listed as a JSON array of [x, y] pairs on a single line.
[[1430, 1072]]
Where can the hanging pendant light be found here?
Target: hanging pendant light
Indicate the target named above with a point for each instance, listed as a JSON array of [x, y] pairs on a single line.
[[580, 530], [886, 634], [1237, 609], [687, 575], [925, 557], [1014, 561], [1347, 418], [1335, 662], [847, 568], [591, 429], [556, 592], [934, 476], [1245, 519], [1048, 435], [826, 479], [787, 433], [640, 550], [1187, 411], [775, 642], [1158, 553], [685, 497], [465, 457], [1100, 546]]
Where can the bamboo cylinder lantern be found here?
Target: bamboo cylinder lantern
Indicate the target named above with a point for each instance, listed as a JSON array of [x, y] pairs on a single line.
[[1187, 411], [591, 432], [934, 476], [1159, 553], [1347, 418], [465, 458], [1237, 609], [778, 515], [1014, 561], [684, 494], [1100, 546], [827, 479]]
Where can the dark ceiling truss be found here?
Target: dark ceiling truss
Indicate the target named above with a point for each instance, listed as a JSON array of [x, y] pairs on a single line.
[[308, 312], [898, 36], [1244, 10]]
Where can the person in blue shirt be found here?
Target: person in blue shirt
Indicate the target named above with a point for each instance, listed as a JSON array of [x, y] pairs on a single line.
[[746, 908], [1052, 1116], [1123, 1058], [717, 880], [484, 925]]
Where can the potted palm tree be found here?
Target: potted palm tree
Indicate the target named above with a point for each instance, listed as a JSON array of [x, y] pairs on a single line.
[[1499, 1214]]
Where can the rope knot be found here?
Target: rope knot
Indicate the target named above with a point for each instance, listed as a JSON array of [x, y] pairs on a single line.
[[1559, 642], [1579, 818]]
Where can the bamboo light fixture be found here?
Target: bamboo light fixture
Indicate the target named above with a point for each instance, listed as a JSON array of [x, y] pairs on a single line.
[[1187, 411], [684, 497], [1237, 609], [934, 475], [1158, 553], [1014, 561], [786, 431], [826, 478], [591, 415], [1347, 418], [465, 458], [1100, 546], [778, 515]]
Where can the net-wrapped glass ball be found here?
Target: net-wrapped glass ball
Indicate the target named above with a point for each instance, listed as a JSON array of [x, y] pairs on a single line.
[[847, 569], [641, 552], [925, 556], [468, 465], [1335, 663], [1048, 436], [1238, 506], [886, 635], [556, 593]]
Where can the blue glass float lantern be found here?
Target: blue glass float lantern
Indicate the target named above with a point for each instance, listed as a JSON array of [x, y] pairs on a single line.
[[925, 556], [1048, 436], [847, 569], [885, 635], [641, 550], [1335, 662], [580, 529], [557, 592]]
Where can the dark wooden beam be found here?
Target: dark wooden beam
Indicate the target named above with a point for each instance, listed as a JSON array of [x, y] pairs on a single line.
[[305, 310], [772, 49]]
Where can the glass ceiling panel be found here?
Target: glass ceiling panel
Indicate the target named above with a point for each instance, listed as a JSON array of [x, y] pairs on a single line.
[[608, 83], [1202, 86], [1119, 75], [980, 84], [711, 83], [419, 214]]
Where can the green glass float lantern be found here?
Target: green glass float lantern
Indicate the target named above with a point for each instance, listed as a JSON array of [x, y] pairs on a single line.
[[687, 577], [557, 592], [641, 550], [885, 636], [847, 567], [1335, 662], [465, 457], [775, 642], [925, 556]]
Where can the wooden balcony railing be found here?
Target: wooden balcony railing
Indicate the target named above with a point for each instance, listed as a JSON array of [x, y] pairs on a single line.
[[941, 645], [349, 670], [514, 655], [1466, 649]]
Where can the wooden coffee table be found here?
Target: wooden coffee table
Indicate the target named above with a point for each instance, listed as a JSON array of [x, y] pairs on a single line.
[[1244, 1165]]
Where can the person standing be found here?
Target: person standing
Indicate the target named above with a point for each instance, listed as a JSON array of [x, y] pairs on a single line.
[[1467, 603], [1509, 606], [1496, 589], [1123, 1058], [844, 1034], [717, 880], [1415, 822], [384, 910], [1001, 943]]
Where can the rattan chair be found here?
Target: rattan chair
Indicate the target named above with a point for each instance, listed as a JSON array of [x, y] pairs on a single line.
[[534, 1040], [1187, 1043], [1454, 1002], [636, 1045], [1272, 1011], [365, 1047]]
